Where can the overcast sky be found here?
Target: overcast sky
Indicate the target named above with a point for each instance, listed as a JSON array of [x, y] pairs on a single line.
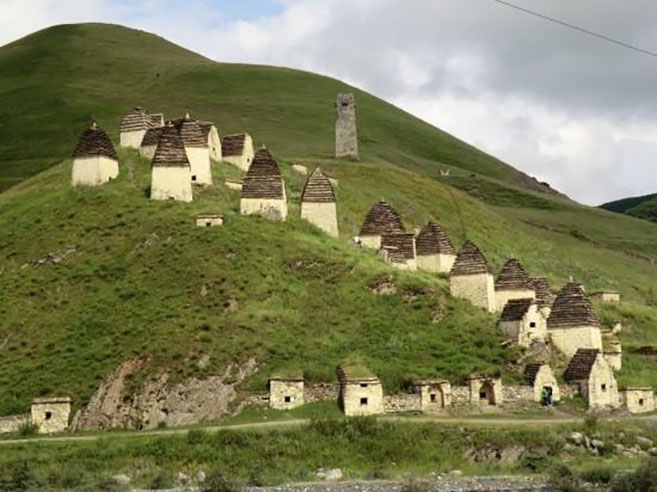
[[569, 109]]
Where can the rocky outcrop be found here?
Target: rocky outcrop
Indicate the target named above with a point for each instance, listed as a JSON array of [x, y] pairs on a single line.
[[158, 402]]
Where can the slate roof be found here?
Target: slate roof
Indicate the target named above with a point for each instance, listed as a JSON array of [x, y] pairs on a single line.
[[191, 133], [544, 295], [318, 189], [381, 219], [206, 127], [433, 240], [572, 308], [151, 136], [263, 180], [531, 371], [516, 309], [135, 120], [94, 142], [512, 277], [170, 151], [156, 120], [399, 246], [469, 261], [233, 145], [581, 364]]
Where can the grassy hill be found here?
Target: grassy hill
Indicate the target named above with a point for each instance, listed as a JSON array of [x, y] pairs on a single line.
[[641, 207], [92, 277]]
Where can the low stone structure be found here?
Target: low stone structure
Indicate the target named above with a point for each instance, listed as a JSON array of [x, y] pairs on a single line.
[[594, 378], [156, 120], [637, 399], [94, 161], [398, 250], [14, 423], [401, 403], [522, 323], [485, 391], [234, 185], [572, 323], [197, 150], [300, 169], [238, 150], [381, 219], [512, 283], [171, 174], [544, 295], [542, 381], [149, 142], [263, 188], [134, 126], [361, 393], [470, 278], [209, 220], [435, 396], [51, 415], [286, 392], [346, 136], [607, 296], [211, 135], [318, 203], [435, 251]]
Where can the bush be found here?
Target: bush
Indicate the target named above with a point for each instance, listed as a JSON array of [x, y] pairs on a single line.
[[28, 429], [218, 482], [161, 481], [563, 479], [644, 479]]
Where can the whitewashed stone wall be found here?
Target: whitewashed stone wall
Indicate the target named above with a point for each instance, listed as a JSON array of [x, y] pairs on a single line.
[[638, 400], [233, 185], [147, 151], [285, 395], [601, 390], [479, 289], [502, 297], [13, 423], [132, 139], [322, 215], [485, 392], [209, 220], [545, 378], [242, 161], [51, 415], [531, 328], [214, 144], [437, 263], [434, 398], [93, 171], [171, 183], [370, 242], [568, 340], [362, 399], [199, 162], [272, 209]]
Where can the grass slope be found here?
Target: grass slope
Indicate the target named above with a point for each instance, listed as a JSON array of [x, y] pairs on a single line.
[[641, 207]]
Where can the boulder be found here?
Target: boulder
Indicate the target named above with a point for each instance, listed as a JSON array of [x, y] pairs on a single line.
[[329, 474], [121, 479], [576, 438], [644, 442]]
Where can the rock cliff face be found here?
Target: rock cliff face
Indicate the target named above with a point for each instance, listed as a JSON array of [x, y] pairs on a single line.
[[193, 400]]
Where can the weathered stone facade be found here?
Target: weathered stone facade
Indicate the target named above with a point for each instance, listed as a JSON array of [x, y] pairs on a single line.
[[346, 137], [402, 403], [209, 220], [233, 185], [51, 415], [93, 171], [361, 393], [263, 189], [398, 250], [568, 340], [238, 150], [637, 400], [485, 391], [607, 296], [286, 393], [435, 396], [134, 126], [523, 323], [595, 379], [539, 377], [435, 252], [171, 183], [479, 289], [512, 283], [14, 423], [214, 142], [381, 219], [318, 203]]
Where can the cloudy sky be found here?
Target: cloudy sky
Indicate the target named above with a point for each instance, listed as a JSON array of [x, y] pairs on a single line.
[[567, 108]]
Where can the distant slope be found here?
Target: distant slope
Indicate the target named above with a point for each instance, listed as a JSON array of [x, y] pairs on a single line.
[[54, 81], [641, 207]]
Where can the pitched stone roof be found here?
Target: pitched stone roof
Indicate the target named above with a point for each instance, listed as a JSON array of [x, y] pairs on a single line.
[[135, 120], [170, 151], [516, 309], [156, 120], [399, 246], [94, 142], [318, 189], [572, 308], [233, 145], [531, 371], [151, 136], [512, 277], [469, 261], [381, 219], [544, 295], [206, 127], [581, 364], [191, 133], [263, 180], [433, 240]]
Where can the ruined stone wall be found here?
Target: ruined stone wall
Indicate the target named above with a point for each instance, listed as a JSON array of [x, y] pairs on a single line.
[[93, 171], [638, 400], [354, 393], [437, 263], [478, 289], [272, 209], [494, 388], [502, 297], [346, 138], [13, 423], [51, 416], [132, 139], [614, 359], [518, 393], [171, 183], [322, 215], [402, 403], [435, 398], [322, 392], [285, 395], [199, 163], [568, 340]]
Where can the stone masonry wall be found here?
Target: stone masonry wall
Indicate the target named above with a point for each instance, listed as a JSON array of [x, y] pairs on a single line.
[[478, 289], [322, 215], [346, 137], [402, 403], [13, 423]]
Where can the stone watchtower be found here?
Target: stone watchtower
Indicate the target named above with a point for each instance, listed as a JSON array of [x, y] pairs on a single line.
[[346, 138]]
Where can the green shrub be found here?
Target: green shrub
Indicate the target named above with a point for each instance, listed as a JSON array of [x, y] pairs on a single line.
[[218, 482]]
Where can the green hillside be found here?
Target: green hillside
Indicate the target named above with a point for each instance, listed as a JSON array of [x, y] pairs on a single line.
[[92, 277], [641, 207]]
